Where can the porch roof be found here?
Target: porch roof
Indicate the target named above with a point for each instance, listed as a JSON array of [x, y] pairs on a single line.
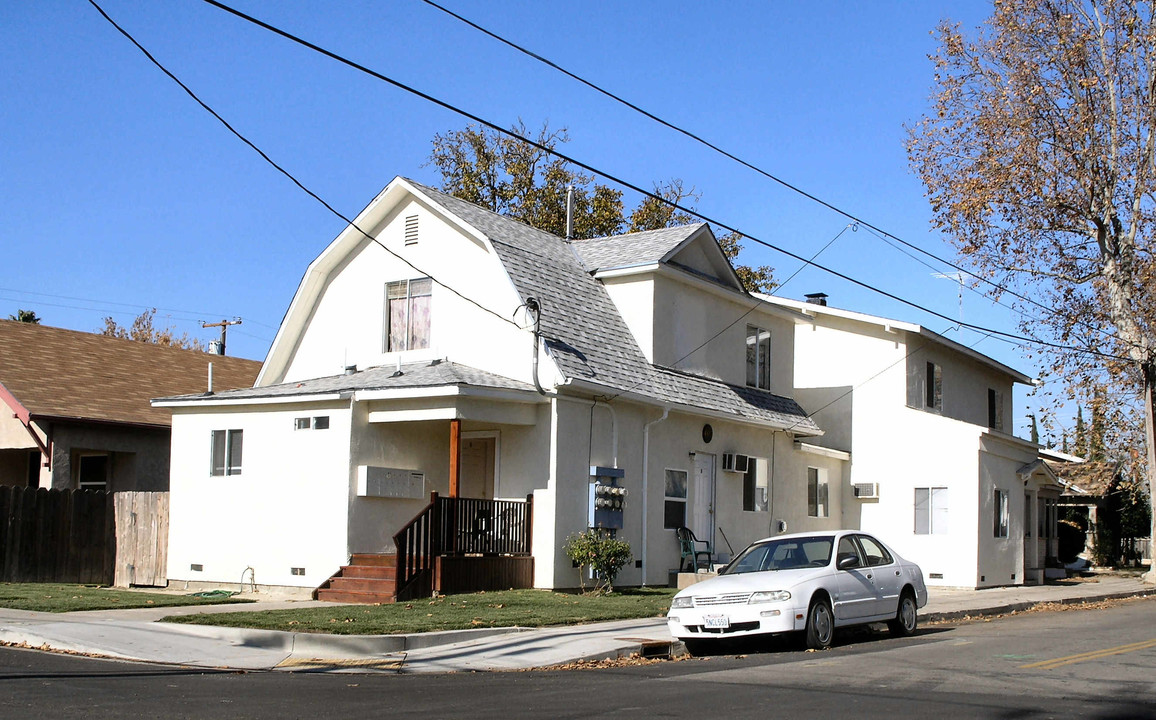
[[412, 376]]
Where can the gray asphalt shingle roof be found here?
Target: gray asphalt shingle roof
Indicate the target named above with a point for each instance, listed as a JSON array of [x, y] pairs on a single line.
[[413, 375], [640, 248], [584, 332]]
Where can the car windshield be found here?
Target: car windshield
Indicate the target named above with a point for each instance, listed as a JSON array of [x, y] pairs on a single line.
[[785, 554]]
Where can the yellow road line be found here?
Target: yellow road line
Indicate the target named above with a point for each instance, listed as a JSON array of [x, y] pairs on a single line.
[[1092, 655]]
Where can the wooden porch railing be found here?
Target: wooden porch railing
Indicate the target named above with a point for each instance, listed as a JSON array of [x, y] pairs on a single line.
[[451, 526]]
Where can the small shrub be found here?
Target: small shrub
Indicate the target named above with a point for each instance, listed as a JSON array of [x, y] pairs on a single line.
[[600, 552]]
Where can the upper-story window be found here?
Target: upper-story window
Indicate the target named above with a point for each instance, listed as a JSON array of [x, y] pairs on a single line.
[[407, 314], [226, 452], [933, 384], [994, 409], [758, 357]]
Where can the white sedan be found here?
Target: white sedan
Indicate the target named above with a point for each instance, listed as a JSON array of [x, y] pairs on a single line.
[[810, 582]]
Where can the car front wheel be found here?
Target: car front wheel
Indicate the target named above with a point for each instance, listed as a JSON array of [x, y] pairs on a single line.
[[820, 625], [905, 617]]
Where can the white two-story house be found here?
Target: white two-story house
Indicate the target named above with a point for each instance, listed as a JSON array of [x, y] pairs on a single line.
[[935, 468], [436, 347]]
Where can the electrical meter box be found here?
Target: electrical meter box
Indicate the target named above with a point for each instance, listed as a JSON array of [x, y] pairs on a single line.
[[607, 498]]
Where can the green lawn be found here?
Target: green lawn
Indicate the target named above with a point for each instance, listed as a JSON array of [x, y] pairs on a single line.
[[525, 608], [65, 597]]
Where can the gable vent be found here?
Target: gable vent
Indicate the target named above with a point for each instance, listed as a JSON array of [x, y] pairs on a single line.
[[411, 230]]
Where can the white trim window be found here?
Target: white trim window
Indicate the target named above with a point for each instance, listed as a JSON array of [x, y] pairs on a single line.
[[758, 358], [818, 494], [756, 486], [407, 314], [227, 446], [1000, 521], [674, 502], [931, 511]]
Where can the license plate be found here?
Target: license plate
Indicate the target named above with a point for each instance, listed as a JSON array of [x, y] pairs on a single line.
[[716, 621]]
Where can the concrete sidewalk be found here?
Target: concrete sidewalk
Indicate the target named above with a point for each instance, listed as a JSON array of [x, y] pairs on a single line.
[[135, 635]]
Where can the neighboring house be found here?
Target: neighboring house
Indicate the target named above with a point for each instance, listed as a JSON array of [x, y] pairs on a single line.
[[408, 364], [77, 411], [934, 466]]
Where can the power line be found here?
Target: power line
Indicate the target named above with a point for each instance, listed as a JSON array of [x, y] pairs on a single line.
[[285, 172], [113, 303], [589, 168], [765, 173]]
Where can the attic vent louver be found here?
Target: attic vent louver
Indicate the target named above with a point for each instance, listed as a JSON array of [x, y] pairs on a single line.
[[411, 230]]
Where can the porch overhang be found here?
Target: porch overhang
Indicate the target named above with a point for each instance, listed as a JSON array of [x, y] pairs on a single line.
[[453, 403]]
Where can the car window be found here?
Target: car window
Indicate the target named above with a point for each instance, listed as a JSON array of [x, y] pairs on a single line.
[[785, 554], [874, 553], [848, 548]]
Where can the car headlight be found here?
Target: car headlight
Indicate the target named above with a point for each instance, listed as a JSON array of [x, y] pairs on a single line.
[[682, 601], [767, 596]]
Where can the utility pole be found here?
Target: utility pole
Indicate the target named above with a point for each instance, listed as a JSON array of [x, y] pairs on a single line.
[[224, 325]]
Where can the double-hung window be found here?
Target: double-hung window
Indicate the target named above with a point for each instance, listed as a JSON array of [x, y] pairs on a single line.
[[227, 446], [407, 314], [817, 493], [1000, 521], [756, 486], [758, 357], [931, 511], [674, 506], [933, 387]]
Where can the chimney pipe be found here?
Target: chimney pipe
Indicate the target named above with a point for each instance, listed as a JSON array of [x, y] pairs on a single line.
[[816, 298], [569, 212]]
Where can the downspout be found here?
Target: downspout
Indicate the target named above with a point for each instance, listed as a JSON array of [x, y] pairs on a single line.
[[646, 483], [535, 310]]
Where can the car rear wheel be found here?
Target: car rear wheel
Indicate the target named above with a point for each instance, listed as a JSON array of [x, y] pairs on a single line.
[[905, 616], [820, 625]]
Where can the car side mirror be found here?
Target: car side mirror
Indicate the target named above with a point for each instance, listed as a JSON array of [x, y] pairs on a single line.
[[847, 562]]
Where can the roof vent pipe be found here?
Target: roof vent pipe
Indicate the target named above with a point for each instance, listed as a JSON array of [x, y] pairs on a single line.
[[569, 212], [816, 298], [210, 390]]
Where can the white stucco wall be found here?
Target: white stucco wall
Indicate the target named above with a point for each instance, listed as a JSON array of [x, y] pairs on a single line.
[[287, 508], [671, 445], [347, 324]]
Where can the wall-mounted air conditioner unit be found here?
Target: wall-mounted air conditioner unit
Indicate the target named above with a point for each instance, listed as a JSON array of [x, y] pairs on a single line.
[[734, 462], [867, 491]]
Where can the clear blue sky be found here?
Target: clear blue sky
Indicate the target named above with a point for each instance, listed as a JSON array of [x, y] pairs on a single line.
[[118, 193]]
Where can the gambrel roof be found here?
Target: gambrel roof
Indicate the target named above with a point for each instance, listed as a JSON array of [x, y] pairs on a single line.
[[581, 328]]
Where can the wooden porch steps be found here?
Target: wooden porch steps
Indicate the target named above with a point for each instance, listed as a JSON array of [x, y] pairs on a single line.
[[368, 579]]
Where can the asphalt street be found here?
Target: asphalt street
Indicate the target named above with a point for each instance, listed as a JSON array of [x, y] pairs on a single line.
[[1079, 663]]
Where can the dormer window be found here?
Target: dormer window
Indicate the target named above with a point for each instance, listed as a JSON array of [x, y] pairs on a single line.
[[758, 357], [407, 314]]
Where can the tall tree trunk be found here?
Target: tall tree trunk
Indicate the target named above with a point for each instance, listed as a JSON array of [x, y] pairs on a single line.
[[1149, 371]]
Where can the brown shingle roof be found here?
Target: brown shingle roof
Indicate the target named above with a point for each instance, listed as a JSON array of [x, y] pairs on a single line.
[[61, 373], [1088, 478]]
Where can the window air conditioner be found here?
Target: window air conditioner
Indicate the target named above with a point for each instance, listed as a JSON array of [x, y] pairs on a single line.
[[734, 462], [866, 491]]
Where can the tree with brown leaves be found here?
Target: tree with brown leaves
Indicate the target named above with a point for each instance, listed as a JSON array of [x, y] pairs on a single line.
[[1038, 159]]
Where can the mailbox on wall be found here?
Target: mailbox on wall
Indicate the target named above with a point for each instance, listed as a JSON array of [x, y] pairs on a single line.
[[607, 498]]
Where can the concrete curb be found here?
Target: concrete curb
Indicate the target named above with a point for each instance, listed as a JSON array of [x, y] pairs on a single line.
[[1025, 605], [353, 645]]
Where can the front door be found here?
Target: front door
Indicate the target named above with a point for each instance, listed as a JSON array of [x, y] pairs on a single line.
[[702, 508], [477, 458]]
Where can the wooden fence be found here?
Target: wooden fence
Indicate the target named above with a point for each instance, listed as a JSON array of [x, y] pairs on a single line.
[[56, 536], [142, 538], [83, 536]]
